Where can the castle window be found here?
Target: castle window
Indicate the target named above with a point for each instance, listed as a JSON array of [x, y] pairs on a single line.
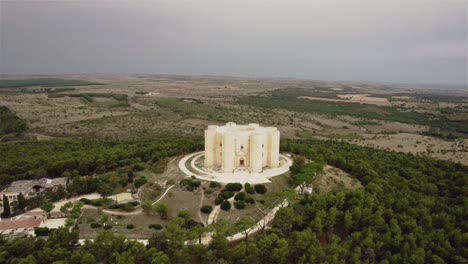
[[242, 147], [220, 144], [263, 145]]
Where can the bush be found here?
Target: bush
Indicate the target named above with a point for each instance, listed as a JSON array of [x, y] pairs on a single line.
[[190, 184], [233, 187], [260, 188], [226, 206], [155, 226], [249, 189], [219, 200], [128, 207], [139, 182], [215, 185], [130, 226], [96, 225], [85, 201], [107, 227], [41, 231], [226, 194], [137, 167], [206, 209], [240, 196], [239, 204], [249, 200]]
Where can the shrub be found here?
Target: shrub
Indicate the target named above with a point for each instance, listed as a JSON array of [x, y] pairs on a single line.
[[249, 189], [209, 191], [226, 194], [155, 226], [128, 207], [240, 196], [107, 227], [41, 231], [249, 200], [85, 201], [260, 188], [219, 200], [96, 225], [226, 206], [233, 187], [130, 226], [190, 184], [137, 167], [215, 185], [239, 204], [206, 209], [139, 182]]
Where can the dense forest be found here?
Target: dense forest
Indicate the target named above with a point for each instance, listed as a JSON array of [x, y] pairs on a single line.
[[53, 158], [10, 122], [411, 210]]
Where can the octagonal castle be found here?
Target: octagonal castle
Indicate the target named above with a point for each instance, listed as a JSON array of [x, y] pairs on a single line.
[[233, 148]]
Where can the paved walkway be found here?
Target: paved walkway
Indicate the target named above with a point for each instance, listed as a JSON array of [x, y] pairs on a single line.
[[136, 212], [164, 194], [91, 196], [236, 237], [240, 176], [254, 229], [201, 204]]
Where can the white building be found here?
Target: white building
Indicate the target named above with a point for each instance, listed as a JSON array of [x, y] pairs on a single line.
[[250, 148]]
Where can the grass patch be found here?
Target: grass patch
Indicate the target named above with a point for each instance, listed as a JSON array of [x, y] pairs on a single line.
[[10, 122]]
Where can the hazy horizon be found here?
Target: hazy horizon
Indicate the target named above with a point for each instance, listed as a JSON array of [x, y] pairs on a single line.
[[420, 42]]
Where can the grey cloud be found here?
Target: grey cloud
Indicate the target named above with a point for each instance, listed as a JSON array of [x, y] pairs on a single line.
[[422, 41]]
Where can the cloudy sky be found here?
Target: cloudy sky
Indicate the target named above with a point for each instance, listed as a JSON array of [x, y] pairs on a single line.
[[411, 41]]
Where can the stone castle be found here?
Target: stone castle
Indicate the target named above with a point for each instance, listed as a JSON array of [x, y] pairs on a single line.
[[233, 148]]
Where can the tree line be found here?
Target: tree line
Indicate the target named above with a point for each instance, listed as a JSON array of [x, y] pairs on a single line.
[[55, 158]]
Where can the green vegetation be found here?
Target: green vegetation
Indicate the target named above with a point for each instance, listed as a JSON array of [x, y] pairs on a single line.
[[44, 82], [260, 188], [206, 209], [239, 204], [233, 187], [226, 205], [155, 226], [10, 122], [119, 100], [190, 184], [54, 158], [358, 110], [6, 207], [412, 209], [302, 174]]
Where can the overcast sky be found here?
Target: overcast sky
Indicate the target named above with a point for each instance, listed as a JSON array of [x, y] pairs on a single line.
[[411, 41]]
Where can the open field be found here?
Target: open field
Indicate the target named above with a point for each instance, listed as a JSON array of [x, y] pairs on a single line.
[[149, 106]]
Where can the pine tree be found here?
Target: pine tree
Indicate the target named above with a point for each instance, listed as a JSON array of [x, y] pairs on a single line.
[[6, 207], [22, 202]]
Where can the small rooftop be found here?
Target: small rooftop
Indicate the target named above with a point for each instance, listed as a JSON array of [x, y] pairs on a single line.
[[25, 186], [16, 224]]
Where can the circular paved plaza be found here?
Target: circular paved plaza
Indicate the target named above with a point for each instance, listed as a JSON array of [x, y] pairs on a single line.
[[192, 165]]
